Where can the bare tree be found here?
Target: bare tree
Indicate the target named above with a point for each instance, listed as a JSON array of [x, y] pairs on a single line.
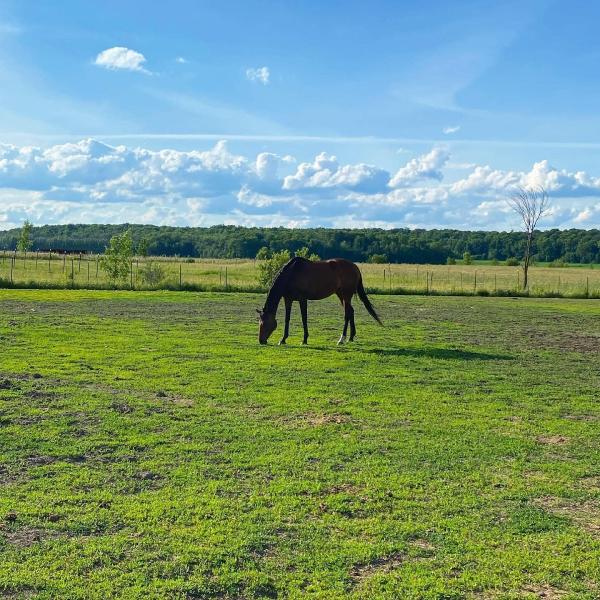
[[531, 204]]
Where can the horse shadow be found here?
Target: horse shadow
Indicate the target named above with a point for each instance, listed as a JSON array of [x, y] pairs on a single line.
[[438, 353]]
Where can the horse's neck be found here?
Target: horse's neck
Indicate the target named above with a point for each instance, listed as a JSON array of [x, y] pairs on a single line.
[[273, 298]]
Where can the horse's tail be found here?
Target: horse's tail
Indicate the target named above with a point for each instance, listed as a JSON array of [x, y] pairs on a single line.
[[360, 290]]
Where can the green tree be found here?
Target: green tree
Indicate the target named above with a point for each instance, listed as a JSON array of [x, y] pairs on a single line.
[[142, 247], [268, 269], [264, 253], [378, 259], [25, 242], [467, 258], [116, 261], [450, 261], [305, 252]]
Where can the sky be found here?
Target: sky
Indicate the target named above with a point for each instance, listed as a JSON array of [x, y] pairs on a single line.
[[384, 114]]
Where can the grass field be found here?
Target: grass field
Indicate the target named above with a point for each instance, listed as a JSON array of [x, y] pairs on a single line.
[[214, 274], [150, 448]]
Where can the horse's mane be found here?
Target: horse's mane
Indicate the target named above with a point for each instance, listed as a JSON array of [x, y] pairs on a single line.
[[282, 278]]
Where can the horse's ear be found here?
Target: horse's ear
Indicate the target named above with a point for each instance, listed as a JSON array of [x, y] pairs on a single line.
[[260, 312]]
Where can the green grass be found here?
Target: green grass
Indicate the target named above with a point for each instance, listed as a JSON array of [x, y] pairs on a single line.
[[150, 448], [241, 275]]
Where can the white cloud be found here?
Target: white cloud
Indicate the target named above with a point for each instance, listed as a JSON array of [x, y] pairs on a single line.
[[90, 181], [260, 74], [426, 166], [181, 60], [325, 172], [451, 129], [121, 58]]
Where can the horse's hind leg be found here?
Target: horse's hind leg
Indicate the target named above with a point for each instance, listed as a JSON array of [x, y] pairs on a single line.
[[348, 310], [352, 325], [288, 314]]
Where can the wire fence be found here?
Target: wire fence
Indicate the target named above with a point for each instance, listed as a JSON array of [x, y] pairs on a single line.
[[45, 270]]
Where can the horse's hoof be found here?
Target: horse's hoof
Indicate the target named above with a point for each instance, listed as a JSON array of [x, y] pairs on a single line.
[[282, 343], [341, 340]]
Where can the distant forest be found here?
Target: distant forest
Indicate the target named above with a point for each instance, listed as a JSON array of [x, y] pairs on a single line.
[[433, 246]]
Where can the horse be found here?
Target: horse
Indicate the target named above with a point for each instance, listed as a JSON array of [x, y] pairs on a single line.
[[302, 280]]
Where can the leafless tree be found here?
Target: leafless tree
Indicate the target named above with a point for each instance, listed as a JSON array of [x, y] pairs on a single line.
[[531, 204]]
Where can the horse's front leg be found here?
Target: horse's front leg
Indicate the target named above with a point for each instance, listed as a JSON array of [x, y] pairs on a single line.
[[304, 312], [346, 321], [288, 314]]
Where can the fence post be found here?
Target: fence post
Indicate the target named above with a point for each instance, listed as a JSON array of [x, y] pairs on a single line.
[[475, 282], [226, 281], [88, 265], [11, 270], [131, 274], [587, 286], [180, 277]]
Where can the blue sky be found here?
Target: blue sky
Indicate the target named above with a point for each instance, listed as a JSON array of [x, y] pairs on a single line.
[[388, 114]]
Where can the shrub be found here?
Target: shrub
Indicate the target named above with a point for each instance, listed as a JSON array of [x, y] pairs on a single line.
[[152, 274], [467, 258], [264, 253], [305, 252], [512, 262], [117, 257], [450, 261], [378, 259], [269, 268]]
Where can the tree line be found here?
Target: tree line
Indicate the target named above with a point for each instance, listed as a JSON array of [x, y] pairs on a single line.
[[434, 246]]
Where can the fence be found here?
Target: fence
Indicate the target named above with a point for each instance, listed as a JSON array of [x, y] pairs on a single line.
[[84, 270]]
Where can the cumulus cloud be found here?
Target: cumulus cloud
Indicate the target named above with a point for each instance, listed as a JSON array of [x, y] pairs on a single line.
[[181, 60], [121, 58], [259, 74], [426, 166], [325, 172], [90, 181]]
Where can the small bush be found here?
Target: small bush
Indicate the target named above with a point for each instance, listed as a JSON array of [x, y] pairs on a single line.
[[467, 258], [268, 269], [450, 261], [378, 259], [512, 262], [152, 274], [264, 253], [306, 253]]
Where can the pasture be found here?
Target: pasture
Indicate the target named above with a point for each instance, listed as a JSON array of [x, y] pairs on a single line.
[[150, 448], [40, 270]]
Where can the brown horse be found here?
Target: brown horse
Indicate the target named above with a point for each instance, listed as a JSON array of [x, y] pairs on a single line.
[[304, 280]]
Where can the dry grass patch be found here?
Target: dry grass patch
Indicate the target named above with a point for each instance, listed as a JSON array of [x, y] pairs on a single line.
[[586, 514], [386, 564], [553, 440]]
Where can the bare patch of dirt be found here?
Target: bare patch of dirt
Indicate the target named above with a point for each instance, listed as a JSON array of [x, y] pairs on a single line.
[[386, 564], [581, 417], [316, 420], [544, 591], [422, 545], [40, 461], [28, 536], [590, 483], [553, 440], [571, 342], [586, 514]]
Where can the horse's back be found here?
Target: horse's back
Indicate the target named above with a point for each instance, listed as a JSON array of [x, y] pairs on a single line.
[[322, 278]]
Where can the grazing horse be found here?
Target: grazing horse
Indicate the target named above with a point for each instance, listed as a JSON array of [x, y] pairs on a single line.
[[304, 280]]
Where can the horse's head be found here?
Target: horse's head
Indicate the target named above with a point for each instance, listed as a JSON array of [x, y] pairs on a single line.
[[267, 325]]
